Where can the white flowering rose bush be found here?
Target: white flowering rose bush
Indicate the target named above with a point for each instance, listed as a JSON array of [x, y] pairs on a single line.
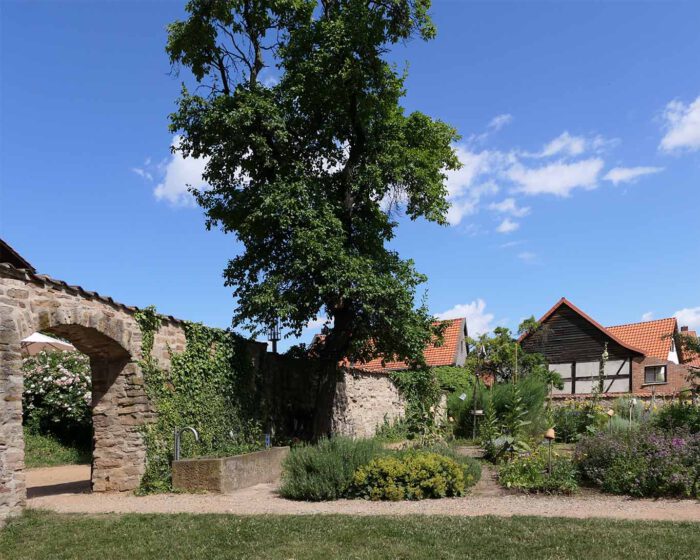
[[57, 393]]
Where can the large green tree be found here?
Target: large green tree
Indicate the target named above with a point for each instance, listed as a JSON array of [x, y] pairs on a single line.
[[311, 171]]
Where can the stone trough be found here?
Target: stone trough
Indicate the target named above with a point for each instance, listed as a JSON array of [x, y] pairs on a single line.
[[226, 474]]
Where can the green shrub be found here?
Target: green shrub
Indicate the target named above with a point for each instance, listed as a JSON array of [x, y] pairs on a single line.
[[529, 473], [392, 432], [622, 407], [470, 466], [454, 379], [325, 471], [678, 415], [576, 418], [531, 392], [411, 476], [421, 389], [620, 425]]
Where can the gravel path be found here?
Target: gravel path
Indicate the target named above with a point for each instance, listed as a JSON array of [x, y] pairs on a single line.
[[46, 490]]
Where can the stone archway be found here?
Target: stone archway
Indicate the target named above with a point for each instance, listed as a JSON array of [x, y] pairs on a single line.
[[108, 333]]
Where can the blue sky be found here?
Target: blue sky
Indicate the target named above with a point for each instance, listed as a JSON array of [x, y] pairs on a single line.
[[580, 126]]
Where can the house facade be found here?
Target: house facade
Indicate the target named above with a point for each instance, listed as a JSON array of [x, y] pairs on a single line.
[[642, 357]]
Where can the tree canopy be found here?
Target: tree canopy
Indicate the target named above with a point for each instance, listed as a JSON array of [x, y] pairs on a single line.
[[310, 164]]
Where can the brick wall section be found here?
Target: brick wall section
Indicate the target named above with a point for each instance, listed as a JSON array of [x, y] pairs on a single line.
[[675, 375]]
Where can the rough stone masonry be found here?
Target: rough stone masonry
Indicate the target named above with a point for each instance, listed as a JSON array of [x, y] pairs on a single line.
[[105, 331]]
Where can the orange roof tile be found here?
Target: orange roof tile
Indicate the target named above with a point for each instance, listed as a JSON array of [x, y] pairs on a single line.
[[652, 337], [435, 356], [443, 355]]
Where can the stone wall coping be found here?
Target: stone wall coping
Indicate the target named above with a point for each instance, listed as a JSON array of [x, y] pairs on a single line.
[[10, 271], [225, 458]]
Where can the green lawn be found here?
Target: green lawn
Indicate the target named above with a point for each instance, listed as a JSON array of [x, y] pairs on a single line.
[[46, 451], [42, 535]]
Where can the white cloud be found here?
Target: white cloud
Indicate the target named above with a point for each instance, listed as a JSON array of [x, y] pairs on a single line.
[[648, 316], [565, 144], [509, 206], [459, 209], [527, 256], [318, 323], [473, 165], [499, 121], [464, 191], [179, 174], [682, 126], [478, 321], [558, 178], [511, 244], [143, 173], [566, 163], [507, 226], [690, 316], [619, 175]]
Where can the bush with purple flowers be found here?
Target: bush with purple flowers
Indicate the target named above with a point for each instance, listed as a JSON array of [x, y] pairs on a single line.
[[643, 463]]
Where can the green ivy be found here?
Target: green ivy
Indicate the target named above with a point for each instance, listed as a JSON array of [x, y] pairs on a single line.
[[421, 389], [210, 386]]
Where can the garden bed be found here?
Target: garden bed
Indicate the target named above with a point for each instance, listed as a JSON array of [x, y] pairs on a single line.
[[226, 474]]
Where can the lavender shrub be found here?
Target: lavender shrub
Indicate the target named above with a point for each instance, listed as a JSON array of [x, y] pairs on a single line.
[[643, 463]]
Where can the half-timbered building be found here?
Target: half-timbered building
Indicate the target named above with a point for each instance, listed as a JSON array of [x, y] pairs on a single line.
[[641, 358]]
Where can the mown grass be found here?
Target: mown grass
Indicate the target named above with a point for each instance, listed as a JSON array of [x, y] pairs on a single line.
[[43, 535], [47, 451]]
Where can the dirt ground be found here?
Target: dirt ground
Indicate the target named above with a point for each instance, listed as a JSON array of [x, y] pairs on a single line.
[[67, 490]]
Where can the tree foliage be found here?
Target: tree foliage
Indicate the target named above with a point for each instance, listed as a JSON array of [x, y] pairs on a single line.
[[309, 170], [504, 359]]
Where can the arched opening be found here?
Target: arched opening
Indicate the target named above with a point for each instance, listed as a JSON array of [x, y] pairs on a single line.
[[115, 446]]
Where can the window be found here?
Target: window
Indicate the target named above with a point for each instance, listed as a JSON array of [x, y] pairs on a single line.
[[655, 374]]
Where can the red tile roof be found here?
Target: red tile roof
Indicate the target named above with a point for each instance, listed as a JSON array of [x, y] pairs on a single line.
[[652, 337], [443, 355], [435, 356]]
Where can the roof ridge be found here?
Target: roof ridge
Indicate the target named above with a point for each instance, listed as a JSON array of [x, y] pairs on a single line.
[[641, 322], [591, 320]]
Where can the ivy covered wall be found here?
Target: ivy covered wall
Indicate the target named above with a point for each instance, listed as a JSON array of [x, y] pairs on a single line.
[[231, 394]]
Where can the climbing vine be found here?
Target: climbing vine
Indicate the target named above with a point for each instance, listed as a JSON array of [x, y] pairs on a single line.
[[421, 389], [210, 386]]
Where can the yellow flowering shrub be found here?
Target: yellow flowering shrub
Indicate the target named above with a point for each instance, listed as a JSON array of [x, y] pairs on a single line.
[[412, 476]]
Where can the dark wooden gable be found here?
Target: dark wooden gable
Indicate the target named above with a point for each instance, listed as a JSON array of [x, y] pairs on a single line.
[[567, 336]]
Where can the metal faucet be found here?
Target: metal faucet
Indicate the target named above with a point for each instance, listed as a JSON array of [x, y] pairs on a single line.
[[178, 435]]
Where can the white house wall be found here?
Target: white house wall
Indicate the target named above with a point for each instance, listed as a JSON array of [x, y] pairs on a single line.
[[617, 378]]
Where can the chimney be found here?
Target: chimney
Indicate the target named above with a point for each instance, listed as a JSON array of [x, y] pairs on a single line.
[[684, 329]]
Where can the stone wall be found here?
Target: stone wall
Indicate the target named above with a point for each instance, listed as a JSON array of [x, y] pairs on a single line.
[[299, 398], [228, 474], [107, 332], [363, 401]]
